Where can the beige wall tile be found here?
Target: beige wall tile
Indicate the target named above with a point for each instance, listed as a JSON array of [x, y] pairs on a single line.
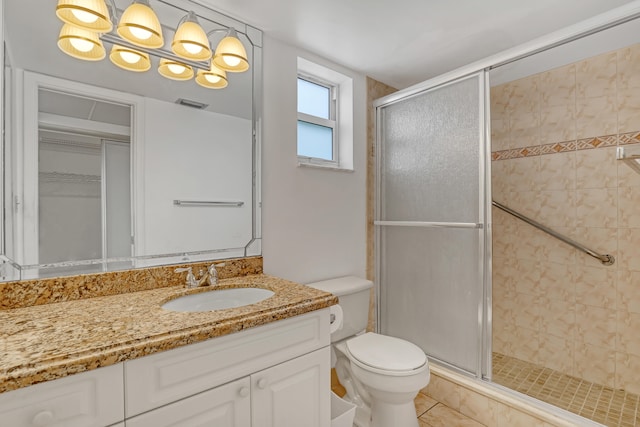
[[525, 344], [629, 249], [558, 281], [628, 372], [597, 207], [628, 333], [629, 291], [552, 249], [596, 168], [557, 208], [628, 85], [557, 123], [558, 86], [596, 287], [523, 174], [527, 244], [558, 171], [511, 417], [478, 407], [629, 207], [443, 391], [596, 76], [596, 326], [524, 95], [557, 318], [499, 99], [524, 202], [528, 311], [527, 277], [499, 134], [595, 364], [596, 117], [557, 353]]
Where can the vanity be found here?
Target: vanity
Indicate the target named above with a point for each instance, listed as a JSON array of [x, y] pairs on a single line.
[[123, 360]]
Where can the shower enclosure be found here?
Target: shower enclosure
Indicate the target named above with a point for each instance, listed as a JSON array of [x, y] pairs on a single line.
[[541, 294]]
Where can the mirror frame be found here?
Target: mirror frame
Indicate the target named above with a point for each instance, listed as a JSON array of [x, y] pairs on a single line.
[[11, 270]]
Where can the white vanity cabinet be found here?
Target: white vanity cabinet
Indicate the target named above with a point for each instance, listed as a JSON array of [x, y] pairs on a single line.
[[90, 399], [276, 375], [286, 395]]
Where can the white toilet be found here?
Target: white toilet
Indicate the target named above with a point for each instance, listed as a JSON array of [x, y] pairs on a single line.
[[382, 374]]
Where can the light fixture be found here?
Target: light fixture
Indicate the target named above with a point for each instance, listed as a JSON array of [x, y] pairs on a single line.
[[190, 41], [215, 78], [80, 43], [175, 70], [140, 25], [129, 59], [91, 15], [230, 54]]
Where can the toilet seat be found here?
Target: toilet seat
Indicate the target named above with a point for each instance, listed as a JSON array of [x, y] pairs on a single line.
[[384, 354]]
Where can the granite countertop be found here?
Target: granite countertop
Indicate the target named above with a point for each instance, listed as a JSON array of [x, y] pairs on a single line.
[[50, 341]]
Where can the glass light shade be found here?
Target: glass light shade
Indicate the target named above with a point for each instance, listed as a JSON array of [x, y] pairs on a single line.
[[190, 40], [140, 25], [215, 78], [91, 15], [175, 70], [230, 54], [80, 43], [130, 59]]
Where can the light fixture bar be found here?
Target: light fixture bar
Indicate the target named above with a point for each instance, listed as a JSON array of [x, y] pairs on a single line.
[[158, 53]]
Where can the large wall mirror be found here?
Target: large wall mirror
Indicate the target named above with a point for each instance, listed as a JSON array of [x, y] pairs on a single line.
[[106, 168]]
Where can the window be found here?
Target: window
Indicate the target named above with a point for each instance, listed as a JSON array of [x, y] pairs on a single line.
[[325, 117], [317, 131]]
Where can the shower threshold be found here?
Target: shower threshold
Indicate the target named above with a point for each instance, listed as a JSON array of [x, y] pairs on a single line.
[[606, 405]]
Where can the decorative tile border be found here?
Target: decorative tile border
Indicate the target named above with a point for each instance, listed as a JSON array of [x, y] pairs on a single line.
[[566, 146]]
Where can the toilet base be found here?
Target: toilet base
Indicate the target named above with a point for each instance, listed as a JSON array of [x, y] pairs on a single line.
[[389, 414]]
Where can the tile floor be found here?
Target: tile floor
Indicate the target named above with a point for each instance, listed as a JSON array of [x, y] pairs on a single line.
[[611, 407]]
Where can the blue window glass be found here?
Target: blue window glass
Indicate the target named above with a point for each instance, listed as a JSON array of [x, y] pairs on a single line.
[[315, 141], [313, 99]]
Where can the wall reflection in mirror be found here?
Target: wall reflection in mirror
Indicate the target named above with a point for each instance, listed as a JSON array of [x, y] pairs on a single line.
[[95, 156]]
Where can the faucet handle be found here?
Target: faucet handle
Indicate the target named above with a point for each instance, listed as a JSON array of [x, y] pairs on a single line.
[[213, 273], [190, 280]]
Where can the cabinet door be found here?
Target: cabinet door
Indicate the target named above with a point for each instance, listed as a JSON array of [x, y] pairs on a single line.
[[89, 399], [225, 406], [294, 393]]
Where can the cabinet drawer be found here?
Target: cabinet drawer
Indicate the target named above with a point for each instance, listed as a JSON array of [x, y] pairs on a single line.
[[166, 377], [226, 406], [89, 399]]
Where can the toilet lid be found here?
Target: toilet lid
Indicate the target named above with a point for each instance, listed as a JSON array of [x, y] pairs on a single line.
[[386, 353]]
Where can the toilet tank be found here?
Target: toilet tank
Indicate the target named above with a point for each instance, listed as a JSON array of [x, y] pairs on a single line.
[[353, 296]]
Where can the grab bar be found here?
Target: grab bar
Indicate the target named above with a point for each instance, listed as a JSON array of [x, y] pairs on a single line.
[[206, 203], [604, 259]]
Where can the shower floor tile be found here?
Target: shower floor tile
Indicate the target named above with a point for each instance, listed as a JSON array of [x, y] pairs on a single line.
[[611, 407]]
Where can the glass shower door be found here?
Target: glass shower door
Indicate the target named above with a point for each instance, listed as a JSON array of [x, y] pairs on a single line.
[[430, 220]]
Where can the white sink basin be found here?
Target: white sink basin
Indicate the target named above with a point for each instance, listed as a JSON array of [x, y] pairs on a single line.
[[218, 299]]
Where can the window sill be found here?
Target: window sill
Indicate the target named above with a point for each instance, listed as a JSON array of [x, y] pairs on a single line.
[[303, 162]]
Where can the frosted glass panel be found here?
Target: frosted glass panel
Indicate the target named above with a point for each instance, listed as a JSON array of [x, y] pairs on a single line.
[[430, 155], [315, 141], [431, 291], [432, 279]]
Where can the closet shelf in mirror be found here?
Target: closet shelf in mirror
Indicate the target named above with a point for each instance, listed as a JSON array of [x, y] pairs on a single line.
[[67, 177]]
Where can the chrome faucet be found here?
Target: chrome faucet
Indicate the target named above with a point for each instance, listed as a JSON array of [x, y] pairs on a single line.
[[210, 276], [190, 280]]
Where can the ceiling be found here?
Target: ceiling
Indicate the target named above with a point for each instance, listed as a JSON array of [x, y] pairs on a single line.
[[404, 42]]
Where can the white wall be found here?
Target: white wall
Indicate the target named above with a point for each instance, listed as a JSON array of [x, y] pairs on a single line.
[[314, 220]]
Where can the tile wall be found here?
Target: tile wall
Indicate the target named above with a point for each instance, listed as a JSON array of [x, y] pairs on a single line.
[[554, 137]]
